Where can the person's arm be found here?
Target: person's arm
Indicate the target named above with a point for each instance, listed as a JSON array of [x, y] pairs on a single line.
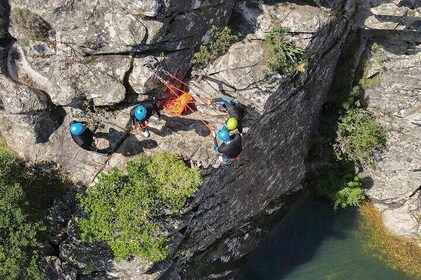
[[155, 107], [228, 105], [215, 142], [240, 126], [132, 118]]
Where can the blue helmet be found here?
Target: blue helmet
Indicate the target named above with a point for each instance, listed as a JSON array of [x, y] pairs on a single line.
[[140, 113], [77, 128], [223, 135]]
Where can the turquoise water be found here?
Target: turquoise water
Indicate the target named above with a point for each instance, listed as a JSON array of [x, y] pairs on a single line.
[[313, 242]]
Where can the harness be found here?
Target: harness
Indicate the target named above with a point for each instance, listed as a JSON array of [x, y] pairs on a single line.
[[236, 158], [142, 125]]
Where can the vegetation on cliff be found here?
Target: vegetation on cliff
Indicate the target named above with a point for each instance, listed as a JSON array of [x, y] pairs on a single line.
[[281, 55], [358, 137], [349, 139], [220, 41], [27, 192], [19, 240], [125, 209]]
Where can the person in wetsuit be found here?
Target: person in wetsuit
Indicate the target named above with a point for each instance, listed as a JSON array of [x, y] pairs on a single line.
[[141, 113], [231, 147], [83, 136], [235, 112]]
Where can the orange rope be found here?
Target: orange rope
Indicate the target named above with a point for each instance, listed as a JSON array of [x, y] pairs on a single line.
[[171, 88], [204, 100], [177, 106]]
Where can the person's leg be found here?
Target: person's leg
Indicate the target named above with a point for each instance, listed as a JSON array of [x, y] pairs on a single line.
[[94, 143], [155, 117], [145, 132], [240, 127], [223, 159]]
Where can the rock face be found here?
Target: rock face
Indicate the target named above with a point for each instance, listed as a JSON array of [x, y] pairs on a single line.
[[92, 60], [64, 56], [394, 95], [233, 203]]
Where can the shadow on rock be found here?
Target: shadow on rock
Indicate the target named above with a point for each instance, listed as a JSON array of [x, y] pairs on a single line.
[[132, 146], [125, 143], [175, 124]]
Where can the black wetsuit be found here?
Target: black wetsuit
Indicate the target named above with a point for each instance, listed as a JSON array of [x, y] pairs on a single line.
[[85, 139], [234, 111], [151, 109], [232, 149]]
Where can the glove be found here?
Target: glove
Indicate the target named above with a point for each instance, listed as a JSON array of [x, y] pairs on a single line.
[[225, 98]]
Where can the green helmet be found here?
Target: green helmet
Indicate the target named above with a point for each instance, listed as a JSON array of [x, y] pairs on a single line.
[[231, 124]]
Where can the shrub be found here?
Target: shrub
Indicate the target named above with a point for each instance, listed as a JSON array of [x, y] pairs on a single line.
[[281, 55], [32, 25], [123, 210], [220, 41], [18, 236], [359, 136], [342, 184]]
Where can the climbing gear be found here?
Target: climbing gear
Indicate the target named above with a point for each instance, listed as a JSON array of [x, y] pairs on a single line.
[[216, 149], [140, 113], [142, 125], [220, 106], [223, 135], [77, 128], [178, 105], [231, 124], [237, 157]]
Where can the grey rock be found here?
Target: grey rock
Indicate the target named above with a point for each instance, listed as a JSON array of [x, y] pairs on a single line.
[[148, 8], [396, 99], [56, 269], [86, 257]]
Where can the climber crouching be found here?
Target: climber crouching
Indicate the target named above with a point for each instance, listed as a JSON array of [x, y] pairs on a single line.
[[84, 137], [235, 113], [141, 114], [231, 147]]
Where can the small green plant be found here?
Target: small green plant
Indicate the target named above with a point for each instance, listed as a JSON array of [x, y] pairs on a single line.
[[282, 55], [359, 136], [342, 184], [124, 210], [91, 113], [32, 25], [351, 195], [353, 99], [348, 139], [220, 41]]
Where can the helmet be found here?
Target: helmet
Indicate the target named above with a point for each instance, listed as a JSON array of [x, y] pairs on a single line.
[[77, 128], [140, 113], [223, 135], [231, 124]]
